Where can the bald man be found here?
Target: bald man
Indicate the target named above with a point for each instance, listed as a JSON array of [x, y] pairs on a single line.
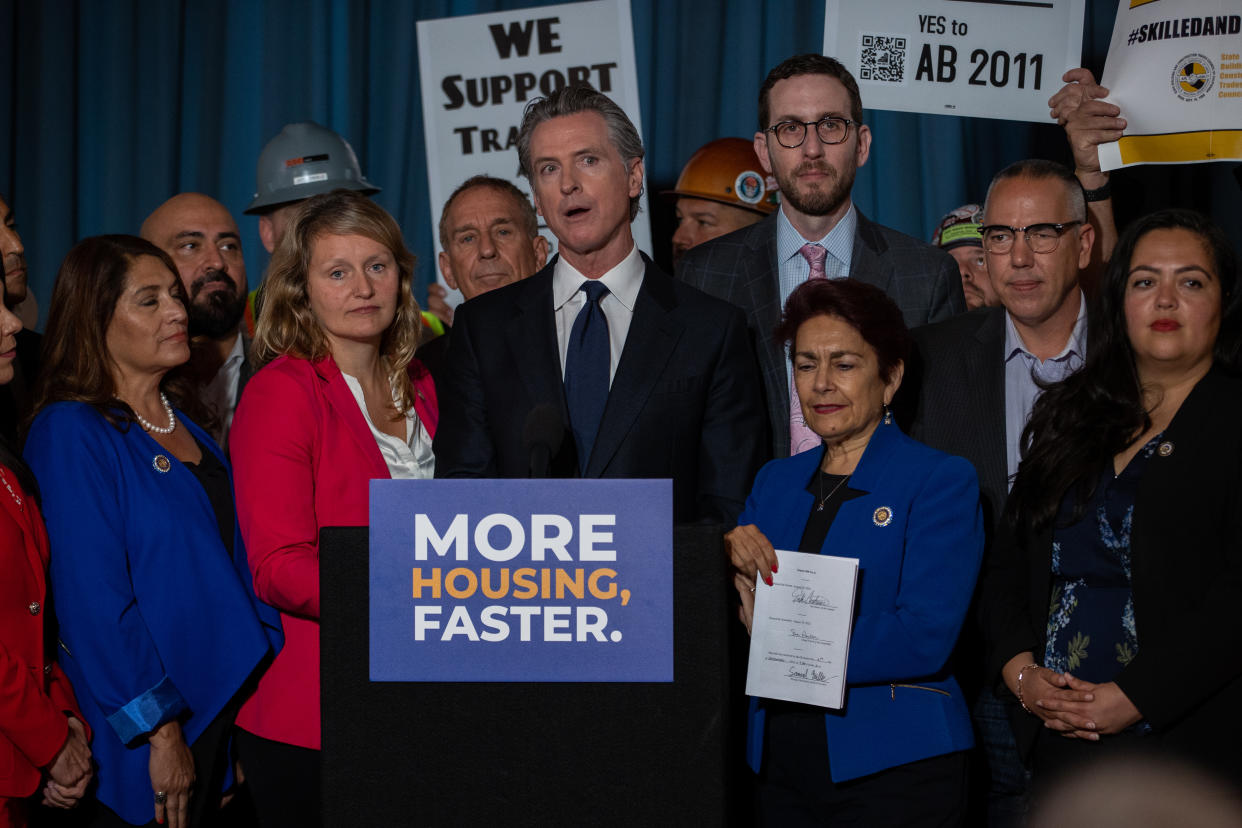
[[201, 237]]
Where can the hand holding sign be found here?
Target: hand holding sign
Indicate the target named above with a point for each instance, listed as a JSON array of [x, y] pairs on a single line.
[[1088, 121], [1176, 71]]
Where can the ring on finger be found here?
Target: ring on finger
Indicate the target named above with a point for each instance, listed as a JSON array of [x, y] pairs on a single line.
[[160, 797]]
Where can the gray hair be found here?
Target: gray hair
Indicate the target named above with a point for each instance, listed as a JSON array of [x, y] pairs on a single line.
[[526, 216], [571, 100], [1041, 169]]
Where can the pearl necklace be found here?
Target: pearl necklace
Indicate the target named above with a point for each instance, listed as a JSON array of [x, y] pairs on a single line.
[[152, 427]]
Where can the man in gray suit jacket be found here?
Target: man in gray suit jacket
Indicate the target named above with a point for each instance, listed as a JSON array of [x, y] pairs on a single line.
[[812, 140]]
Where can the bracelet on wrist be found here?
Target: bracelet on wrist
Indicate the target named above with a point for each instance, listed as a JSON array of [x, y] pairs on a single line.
[[1021, 674], [1103, 193]]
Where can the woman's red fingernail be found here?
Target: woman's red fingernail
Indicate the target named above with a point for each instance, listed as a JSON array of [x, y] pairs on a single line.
[[774, 567], [768, 580]]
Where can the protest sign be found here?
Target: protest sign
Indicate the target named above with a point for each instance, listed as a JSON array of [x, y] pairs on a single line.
[[1175, 70], [478, 73], [983, 58]]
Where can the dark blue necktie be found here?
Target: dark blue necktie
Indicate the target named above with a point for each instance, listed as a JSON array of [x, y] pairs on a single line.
[[586, 371]]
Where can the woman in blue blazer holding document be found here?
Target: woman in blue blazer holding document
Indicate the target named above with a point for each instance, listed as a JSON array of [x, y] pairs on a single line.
[[895, 753]]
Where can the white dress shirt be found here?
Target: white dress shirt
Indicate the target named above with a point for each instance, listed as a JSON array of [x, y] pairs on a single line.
[[220, 395], [623, 282], [408, 459]]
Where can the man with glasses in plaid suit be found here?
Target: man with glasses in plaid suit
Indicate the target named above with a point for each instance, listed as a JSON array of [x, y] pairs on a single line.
[[812, 140]]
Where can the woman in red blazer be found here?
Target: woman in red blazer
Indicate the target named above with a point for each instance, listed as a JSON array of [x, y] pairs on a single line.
[[41, 728], [340, 400]]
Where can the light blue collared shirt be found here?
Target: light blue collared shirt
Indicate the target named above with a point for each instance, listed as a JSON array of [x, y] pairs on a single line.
[[795, 269], [1022, 368]]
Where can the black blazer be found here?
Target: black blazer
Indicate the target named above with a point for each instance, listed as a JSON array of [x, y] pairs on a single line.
[[684, 403], [953, 398], [1186, 576], [741, 268]]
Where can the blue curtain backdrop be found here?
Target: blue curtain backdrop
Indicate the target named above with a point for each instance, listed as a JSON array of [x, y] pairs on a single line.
[[110, 107]]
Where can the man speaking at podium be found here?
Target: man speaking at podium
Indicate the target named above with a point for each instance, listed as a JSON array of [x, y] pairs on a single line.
[[600, 365]]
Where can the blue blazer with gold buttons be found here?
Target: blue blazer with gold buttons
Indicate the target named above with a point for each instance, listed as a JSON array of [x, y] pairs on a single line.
[[916, 575]]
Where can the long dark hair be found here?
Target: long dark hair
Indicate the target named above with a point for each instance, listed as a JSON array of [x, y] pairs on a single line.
[[1079, 424], [10, 457], [76, 363]]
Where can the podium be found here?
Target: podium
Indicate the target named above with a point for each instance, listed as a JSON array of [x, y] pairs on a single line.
[[531, 754]]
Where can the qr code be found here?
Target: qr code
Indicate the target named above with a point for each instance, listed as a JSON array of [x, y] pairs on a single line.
[[882, 58]]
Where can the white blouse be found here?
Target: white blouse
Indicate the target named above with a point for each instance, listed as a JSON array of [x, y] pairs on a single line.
[[407, 459]]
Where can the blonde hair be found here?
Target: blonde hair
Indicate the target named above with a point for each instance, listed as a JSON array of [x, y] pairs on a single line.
[[286, 325]]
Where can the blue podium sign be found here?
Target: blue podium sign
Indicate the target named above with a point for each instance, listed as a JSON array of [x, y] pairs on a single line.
[[521, 580]]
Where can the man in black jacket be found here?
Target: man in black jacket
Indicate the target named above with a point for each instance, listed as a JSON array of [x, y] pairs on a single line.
[[647, 377], [974, 381]]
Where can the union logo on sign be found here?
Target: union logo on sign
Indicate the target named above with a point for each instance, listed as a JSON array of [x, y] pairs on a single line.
[[1193, 77]]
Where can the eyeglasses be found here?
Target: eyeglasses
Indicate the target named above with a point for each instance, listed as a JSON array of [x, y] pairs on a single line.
[[1042, 238], [831, 130]]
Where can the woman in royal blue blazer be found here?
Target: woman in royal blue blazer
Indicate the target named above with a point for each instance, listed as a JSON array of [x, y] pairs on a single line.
[[160, 631], [894, 754]]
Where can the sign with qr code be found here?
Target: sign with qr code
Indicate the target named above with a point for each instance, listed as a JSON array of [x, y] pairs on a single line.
[[1176, 73], [982, 58]]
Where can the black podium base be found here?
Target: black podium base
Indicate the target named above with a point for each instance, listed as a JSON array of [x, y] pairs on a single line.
[[516, 754]]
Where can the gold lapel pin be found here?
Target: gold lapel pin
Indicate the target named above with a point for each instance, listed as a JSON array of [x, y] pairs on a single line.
[[883, 516], [1165, 448], [161, 464]]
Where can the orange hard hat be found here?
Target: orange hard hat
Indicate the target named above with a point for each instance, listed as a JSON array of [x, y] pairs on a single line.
[[727, 170]]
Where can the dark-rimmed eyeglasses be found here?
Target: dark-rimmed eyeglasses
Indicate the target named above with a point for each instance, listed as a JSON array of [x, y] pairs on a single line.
[[831, 130], [1041, 238]]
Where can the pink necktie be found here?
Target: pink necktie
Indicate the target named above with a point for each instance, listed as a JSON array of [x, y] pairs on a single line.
[[815, 256], [802, 438]]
